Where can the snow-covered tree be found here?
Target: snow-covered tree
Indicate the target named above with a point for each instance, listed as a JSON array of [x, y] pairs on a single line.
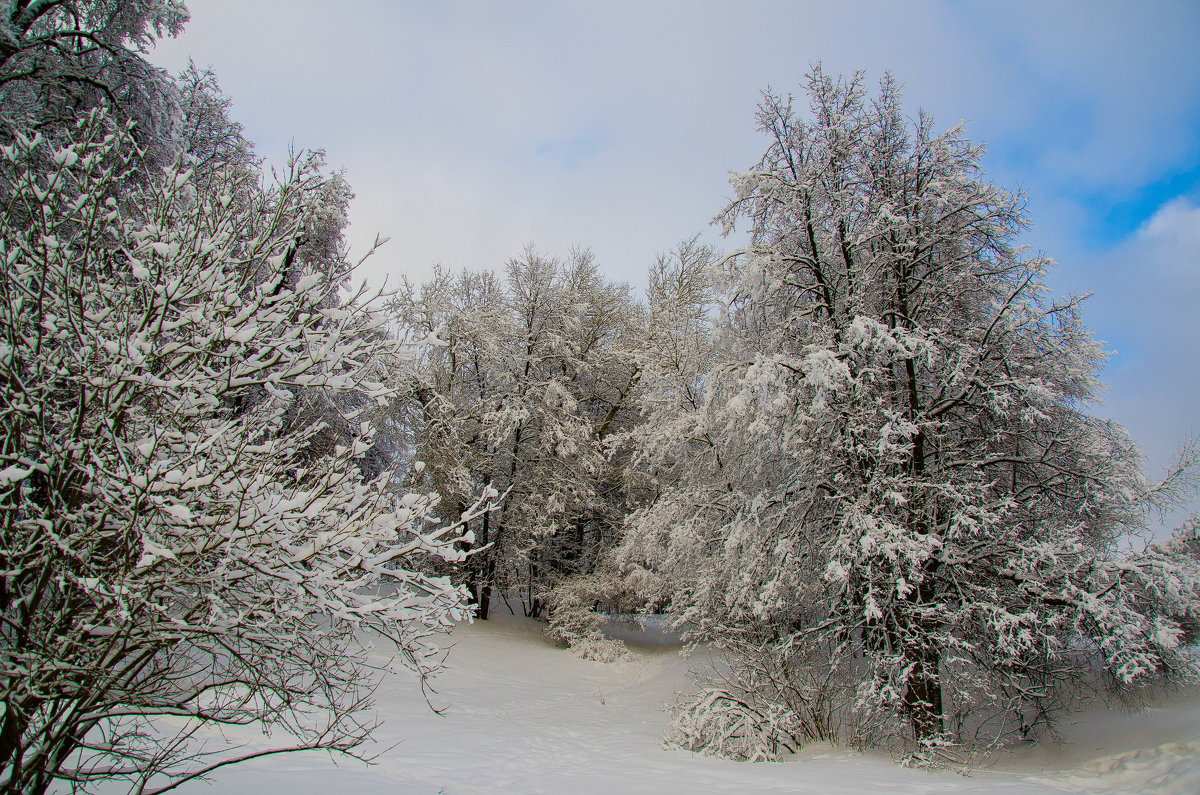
[[204, 129], [61, 58], [894, 509], [534, 376], [173, 542], [674, 358], [455, 411]]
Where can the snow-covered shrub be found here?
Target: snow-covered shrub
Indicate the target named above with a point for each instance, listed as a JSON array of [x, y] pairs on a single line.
[[768, 697], [172, 545], [575, 620], [741, 725], [580, 628]]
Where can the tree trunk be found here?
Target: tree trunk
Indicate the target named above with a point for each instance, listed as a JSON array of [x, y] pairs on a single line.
[[471, 567], [488, 571], [923, 697], [12, 732]]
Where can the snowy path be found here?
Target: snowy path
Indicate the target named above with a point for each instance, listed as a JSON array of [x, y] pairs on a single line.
[[522, 716]]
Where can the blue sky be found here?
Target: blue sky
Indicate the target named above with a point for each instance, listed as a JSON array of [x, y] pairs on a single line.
[[470, 128]]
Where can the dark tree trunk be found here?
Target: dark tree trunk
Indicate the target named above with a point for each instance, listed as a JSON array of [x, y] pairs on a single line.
[[923, 698], [488, 572]]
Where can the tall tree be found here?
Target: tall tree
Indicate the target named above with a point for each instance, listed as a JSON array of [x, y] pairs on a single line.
[[898, 482], [205, 131]]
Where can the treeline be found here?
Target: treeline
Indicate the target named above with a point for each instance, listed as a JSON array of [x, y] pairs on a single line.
[[857, 456]]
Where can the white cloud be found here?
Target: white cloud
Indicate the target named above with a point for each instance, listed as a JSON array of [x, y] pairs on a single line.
[[1109, 92], [1061, 91], [1146, 301], [1172, 238]]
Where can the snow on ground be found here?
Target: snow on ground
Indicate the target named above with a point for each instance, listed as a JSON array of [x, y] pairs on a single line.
[[523, 716], [1156, 749]]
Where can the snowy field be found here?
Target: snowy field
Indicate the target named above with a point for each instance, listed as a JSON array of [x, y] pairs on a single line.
[[523, 716]]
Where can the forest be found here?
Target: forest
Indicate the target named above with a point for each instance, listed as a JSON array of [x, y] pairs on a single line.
[[857, 458]]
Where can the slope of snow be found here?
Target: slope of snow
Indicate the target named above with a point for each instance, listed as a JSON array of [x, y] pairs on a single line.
[[1156, 749], [523, 716]]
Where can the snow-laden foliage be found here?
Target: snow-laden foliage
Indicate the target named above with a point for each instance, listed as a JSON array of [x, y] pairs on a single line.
[[174, 543], [735, 725], [672, 440], [531, 378], [891, 466], [574, 619], [62, 58], [574, 622], [204, 131]]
